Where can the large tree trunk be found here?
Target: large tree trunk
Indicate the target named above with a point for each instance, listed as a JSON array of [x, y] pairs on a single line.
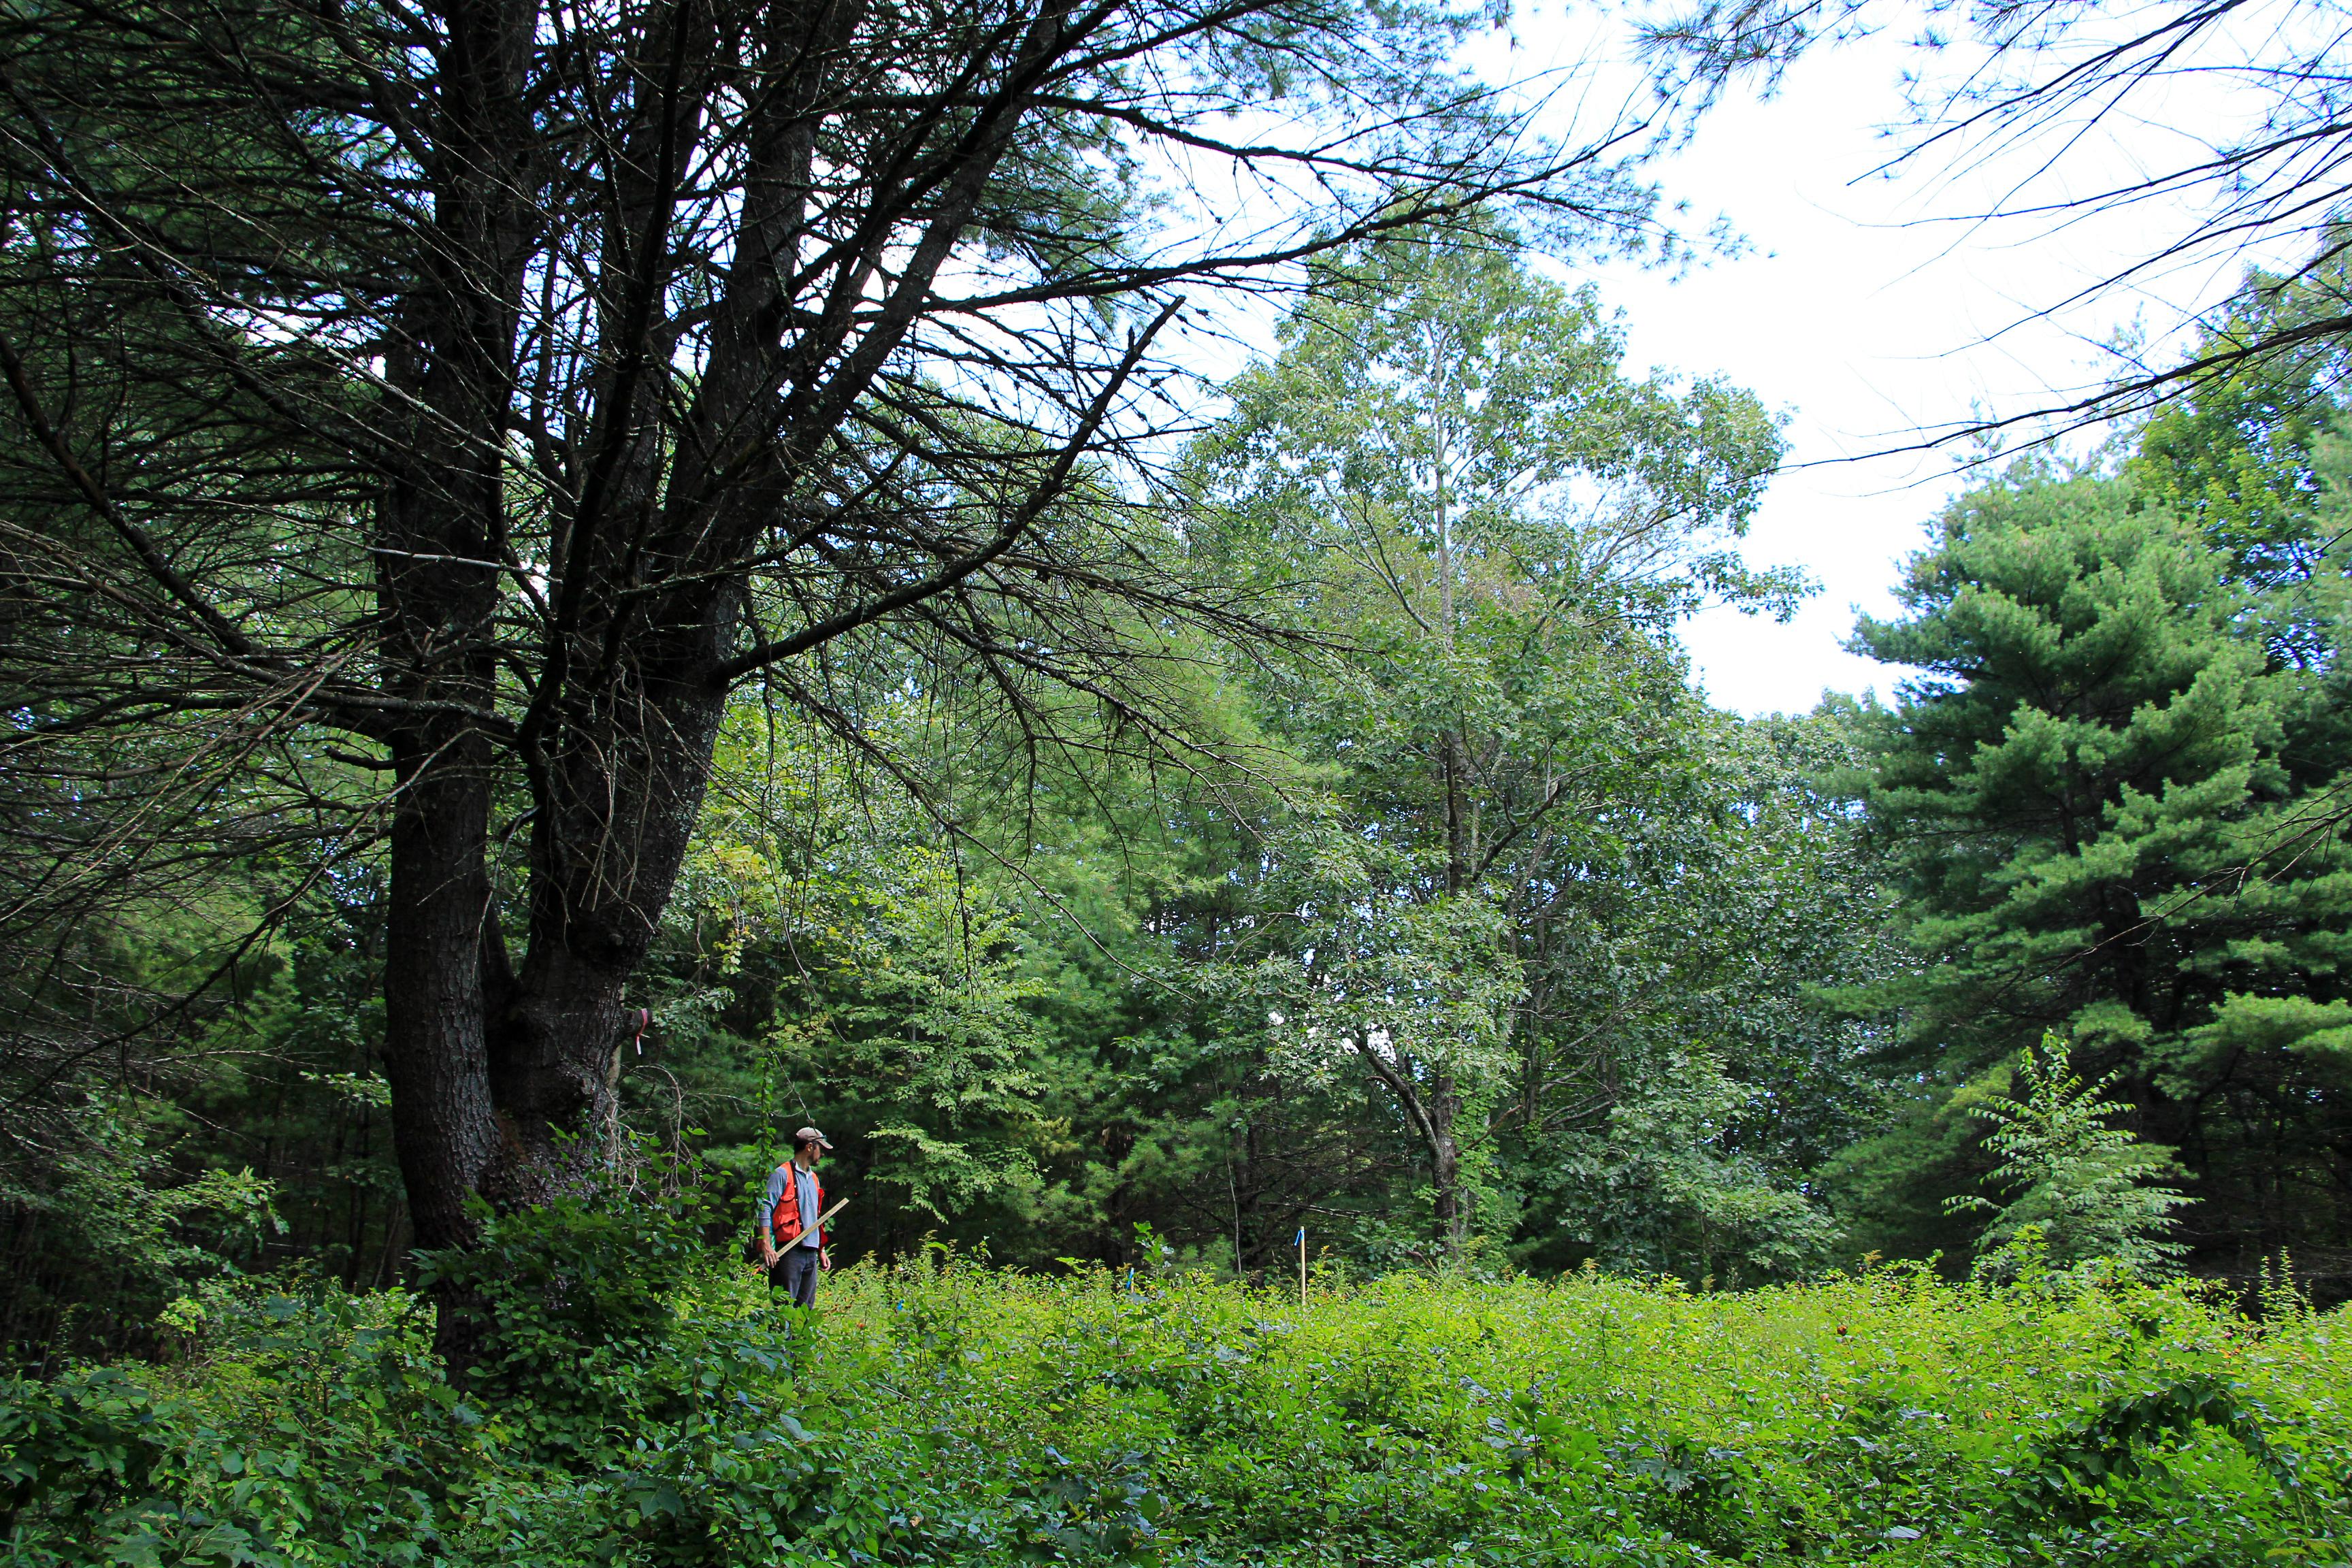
[[436, 1056], [440, 528], [606, 848]]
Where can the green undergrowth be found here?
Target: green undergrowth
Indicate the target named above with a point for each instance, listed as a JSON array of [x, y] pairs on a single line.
[[944, 1414]]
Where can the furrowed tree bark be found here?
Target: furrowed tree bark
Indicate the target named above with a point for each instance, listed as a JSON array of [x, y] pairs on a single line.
[[436, 1045]]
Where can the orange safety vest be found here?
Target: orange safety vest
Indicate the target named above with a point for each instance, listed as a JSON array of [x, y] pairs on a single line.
[[788, 1222]]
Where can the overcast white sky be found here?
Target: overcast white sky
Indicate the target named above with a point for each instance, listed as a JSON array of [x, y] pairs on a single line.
[[1866, 315]]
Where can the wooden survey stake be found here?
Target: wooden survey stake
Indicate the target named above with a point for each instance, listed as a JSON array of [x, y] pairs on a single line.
[[818, 1228]]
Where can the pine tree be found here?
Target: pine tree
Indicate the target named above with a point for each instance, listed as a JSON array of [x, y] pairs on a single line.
[[2105, 800]]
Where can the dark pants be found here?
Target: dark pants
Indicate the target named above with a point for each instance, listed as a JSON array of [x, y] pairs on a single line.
[[795, 1275]]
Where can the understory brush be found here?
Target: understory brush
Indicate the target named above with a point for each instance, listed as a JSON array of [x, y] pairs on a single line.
[[939, 1413]]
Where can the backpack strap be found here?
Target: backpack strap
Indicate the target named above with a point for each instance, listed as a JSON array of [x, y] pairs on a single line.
[[791, 1194]]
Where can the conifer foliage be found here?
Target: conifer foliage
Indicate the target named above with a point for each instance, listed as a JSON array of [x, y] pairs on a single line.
[[2110, 798]]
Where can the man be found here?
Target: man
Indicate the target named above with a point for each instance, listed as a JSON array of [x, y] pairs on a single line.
[[792, 1244]]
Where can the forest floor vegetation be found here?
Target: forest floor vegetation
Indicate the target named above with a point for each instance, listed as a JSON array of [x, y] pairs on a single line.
[[937, 1412]]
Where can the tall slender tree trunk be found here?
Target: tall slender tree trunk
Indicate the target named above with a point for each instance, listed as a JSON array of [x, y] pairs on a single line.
[[1451, 1208], [1453, 748], [1451, 766], [1442, 1102]]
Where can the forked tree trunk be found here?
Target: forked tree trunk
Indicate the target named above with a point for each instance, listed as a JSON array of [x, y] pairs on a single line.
[[1432, 1105]]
